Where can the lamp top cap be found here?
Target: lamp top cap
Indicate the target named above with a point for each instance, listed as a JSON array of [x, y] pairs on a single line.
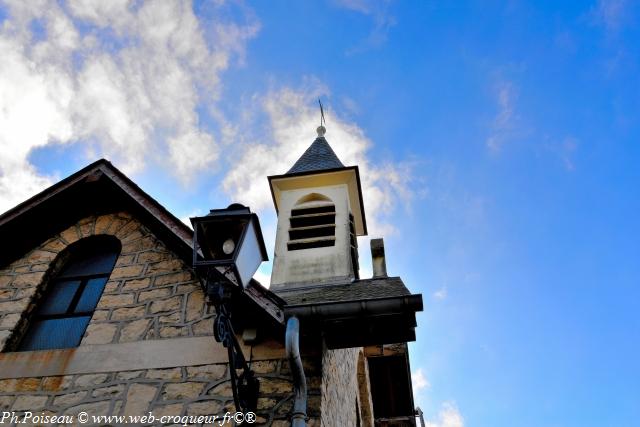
[[232, 209]]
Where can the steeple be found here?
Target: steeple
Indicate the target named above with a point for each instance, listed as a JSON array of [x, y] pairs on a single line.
[[319, 156], [320, 214]]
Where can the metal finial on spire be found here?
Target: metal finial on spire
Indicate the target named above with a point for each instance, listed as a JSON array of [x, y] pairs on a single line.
[[321, 129]]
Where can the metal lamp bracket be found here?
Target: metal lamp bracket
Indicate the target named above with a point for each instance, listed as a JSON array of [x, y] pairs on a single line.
[[245, 386]]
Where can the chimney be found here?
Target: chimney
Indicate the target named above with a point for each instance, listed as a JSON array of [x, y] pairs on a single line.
[[377, 258]]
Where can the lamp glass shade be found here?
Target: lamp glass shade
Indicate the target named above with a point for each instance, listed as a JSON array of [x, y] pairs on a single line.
[[214, 232], [229, 240], [249, 256]]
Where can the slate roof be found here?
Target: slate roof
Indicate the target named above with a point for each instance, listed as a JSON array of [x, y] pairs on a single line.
[[383, 287], [319, 156]]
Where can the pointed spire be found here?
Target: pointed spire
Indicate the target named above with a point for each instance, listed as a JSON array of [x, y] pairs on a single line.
[[319, 155]]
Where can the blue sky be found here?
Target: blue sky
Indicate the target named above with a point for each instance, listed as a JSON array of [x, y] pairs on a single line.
[[498, 143]]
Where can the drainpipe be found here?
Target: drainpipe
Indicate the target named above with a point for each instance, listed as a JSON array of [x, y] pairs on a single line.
[[292, 339]]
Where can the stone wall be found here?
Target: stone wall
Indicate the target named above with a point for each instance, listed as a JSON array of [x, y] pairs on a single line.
[[179, 391], [339, 387], [151, 293]]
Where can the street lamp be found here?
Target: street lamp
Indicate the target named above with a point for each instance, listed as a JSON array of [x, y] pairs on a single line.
[[229, 241], [228, 248]]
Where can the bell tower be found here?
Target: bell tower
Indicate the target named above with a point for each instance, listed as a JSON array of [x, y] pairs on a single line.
[[320, 214]]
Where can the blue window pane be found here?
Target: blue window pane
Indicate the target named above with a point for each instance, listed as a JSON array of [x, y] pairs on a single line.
[[91, 295], [59, 297], [93, 260], [55, 333]]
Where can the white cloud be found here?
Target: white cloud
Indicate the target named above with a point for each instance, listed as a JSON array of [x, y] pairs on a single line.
[[419, 381], [383, 20], [292, 117], [504, 123], [292, 120], [611, 13], [125, 79], [263, 278], [568, 149], [449, 416], [441, 293]]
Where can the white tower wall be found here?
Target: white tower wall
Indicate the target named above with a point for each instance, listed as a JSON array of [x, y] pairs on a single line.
[[292, 268]]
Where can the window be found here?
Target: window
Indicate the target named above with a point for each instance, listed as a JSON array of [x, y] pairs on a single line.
[[313, 223], [64, 311], [391, 390]]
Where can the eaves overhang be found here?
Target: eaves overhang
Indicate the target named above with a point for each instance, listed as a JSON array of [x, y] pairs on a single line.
[[96, 189], [360, 322]]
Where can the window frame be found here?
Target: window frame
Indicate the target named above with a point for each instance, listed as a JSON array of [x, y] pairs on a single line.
[[105, 246]]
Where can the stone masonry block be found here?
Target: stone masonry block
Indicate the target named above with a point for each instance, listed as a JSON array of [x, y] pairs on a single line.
[[5, 280], [139, 398], [39, 255], [145, 243], [134, 284], [94, 408], [54, 245], [90, 379], [86, 226], [207, 407], [57, 383], [69, 399], [29, 403], [134, 331], [117, 300], [17, 306], [164, 266], [28, 279], [70, 235], [126, 271], [195, 305], [153, 256], [172, 278], [185, 390], [110, 391], [208, 372], [102, 223], [127, 313], [99, 333], [165, 305], [154, 294], [165, 374]]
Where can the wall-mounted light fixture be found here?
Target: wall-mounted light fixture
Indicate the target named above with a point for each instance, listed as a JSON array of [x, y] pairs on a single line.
[[228, 248]]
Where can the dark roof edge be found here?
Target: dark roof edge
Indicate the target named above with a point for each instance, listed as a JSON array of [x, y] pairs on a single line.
[[346, 168], [179, 228], [265, 298], [121, 180], [50, 191], [360, 306], [324, 285]]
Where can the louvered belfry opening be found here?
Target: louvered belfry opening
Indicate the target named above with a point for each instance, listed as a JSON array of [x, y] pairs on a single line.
[[312, 223], [353, 241]]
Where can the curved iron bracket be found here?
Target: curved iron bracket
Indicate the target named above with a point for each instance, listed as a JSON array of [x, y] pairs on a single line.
[[245, 386]]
